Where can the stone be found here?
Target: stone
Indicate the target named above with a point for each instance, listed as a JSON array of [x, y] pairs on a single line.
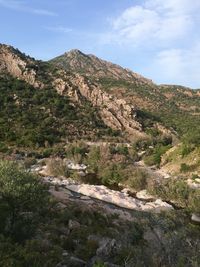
[[144, 195], [85, 198], [107, 247], [17, 67], [193, 184], [76, 262], [195, 218], [101, 192], [116, 113], [73, 224], [65, 253], [61, 205]]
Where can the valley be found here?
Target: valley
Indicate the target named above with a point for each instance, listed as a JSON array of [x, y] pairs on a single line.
[[99, 166]]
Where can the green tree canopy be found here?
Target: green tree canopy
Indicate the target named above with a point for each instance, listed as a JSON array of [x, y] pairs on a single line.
[[23, 199]]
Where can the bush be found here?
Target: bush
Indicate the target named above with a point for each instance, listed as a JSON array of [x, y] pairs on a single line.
[[155, 157], [192, 137], [28, 162], [184, 167], [23, 201], [194, 203], [57, 167], [186, 149], [111, 174], [138, 179], [172, 190]]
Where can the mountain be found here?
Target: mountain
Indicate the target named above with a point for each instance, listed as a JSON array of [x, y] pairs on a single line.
[[114, 112], [78, 120], [92, 66], [166, 104], [104, 98], [34, 112]]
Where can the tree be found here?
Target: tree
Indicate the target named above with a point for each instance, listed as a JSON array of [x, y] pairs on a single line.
[[23, 200]]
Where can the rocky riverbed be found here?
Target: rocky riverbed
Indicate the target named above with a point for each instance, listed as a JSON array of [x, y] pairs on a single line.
[[118, 198]]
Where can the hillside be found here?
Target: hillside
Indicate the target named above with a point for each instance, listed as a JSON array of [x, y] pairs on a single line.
[[116, 113], [167, 104], [88, 151], [107, 99], [32, 117], [92, 66]]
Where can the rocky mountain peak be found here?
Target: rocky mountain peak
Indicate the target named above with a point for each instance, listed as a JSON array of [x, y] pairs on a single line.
[[74, 52], [4, 46], [96, 68]]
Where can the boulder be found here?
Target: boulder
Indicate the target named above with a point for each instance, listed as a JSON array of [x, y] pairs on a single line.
[[107, 247], [65, 254], [73, 224], [76, 262], [144, 195], [195, 218]]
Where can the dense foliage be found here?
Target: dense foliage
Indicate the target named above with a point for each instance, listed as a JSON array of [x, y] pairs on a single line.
[[41, 117], [23, 199]]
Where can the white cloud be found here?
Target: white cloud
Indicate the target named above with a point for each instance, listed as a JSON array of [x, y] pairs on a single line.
[[22, 6], [179, 65], [165, 33], [135, 24], [155, 20], [175, 7], [59, 29]]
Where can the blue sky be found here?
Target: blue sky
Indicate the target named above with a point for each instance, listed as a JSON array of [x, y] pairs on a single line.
[[156, 38]]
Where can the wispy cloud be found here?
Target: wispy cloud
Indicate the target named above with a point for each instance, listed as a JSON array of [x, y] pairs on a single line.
[[58, 29], [23, 6], [179, 65], [164, 31], [164, 21]]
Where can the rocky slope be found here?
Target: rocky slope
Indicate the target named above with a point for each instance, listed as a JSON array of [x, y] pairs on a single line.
[[18, 65], [125, 101], [167, 104], [115, 112], [91, 65]]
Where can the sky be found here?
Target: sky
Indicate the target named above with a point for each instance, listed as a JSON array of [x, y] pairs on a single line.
[[159, 39]]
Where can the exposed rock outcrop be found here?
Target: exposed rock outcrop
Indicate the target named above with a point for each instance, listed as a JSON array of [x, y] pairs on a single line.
[[11, 61], [119, 199], [116, 113]]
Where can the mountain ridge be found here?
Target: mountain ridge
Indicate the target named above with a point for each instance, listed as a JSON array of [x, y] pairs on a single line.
[[116, 70], [132, 105]]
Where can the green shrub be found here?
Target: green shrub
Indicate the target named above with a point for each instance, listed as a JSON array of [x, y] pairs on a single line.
[[176, 190], [57, 167], [155, 157], [136, 233], [99, 264], [186, 150], [137, 179], [28, 162], [111, 174], [184, 167], [23, 200]]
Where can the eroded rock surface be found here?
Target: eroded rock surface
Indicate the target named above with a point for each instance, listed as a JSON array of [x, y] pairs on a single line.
[[117, 198]]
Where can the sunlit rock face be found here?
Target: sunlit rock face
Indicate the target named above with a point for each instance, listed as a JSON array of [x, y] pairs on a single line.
[[18, 65], [117, 198]]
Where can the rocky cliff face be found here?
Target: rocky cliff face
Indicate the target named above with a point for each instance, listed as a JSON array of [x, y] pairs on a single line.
[[13, 62], [115, 112]]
